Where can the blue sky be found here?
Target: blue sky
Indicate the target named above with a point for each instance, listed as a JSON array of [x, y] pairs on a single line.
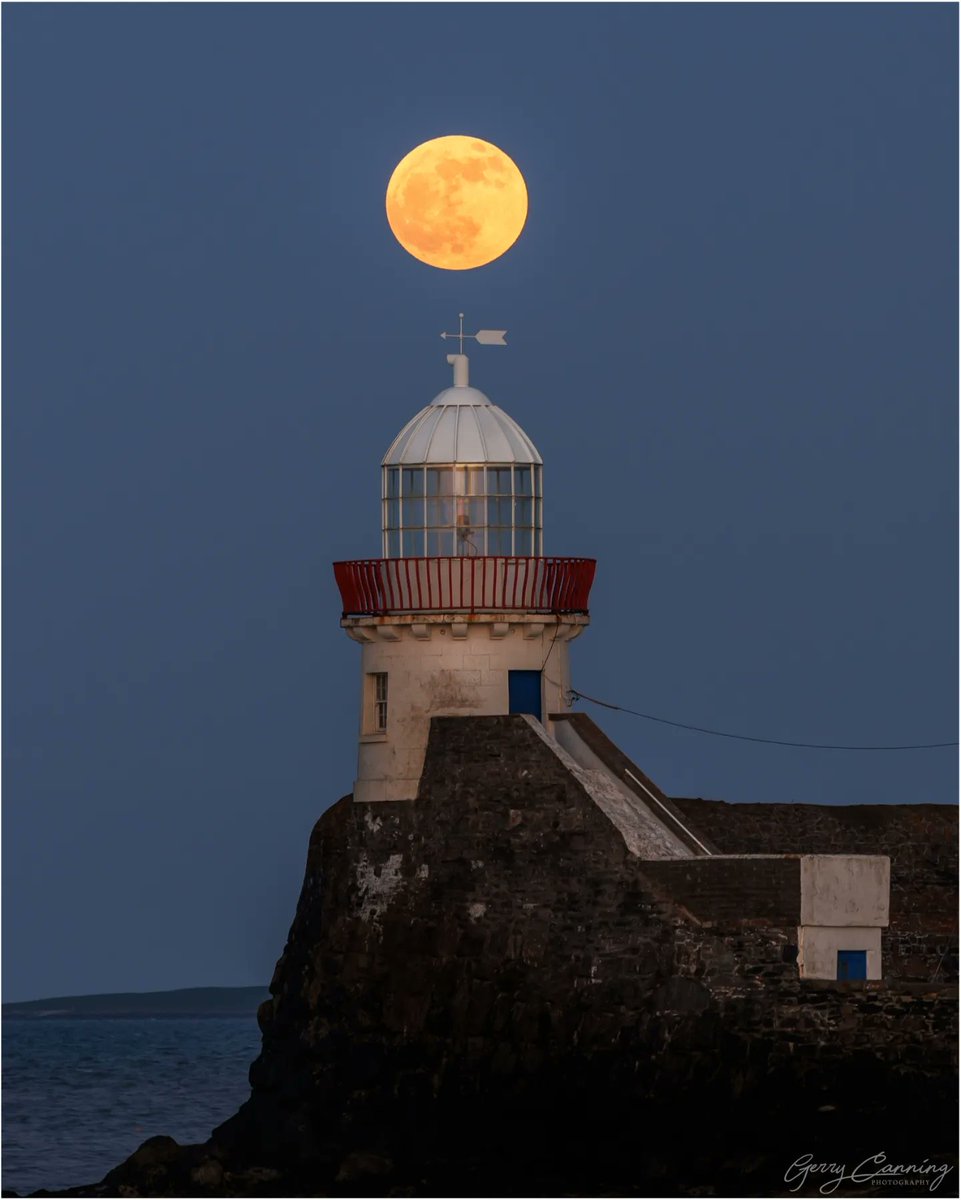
[[732, 335]]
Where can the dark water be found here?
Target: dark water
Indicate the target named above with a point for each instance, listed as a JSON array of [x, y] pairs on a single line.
[[81, 1095]]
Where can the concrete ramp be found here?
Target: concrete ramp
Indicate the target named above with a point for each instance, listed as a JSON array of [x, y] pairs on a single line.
[[644, 837], [670, 834]]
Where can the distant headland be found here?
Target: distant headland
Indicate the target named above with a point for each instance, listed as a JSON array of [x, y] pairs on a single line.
[[182, 1002]]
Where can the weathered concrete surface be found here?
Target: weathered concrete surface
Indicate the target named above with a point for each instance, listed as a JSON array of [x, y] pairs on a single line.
[[590, 746], [845, 889], [844, 906], [645, 835], [484, 993], [818, 947]]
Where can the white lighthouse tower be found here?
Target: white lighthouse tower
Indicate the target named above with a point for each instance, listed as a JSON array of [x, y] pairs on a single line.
[[464, 615]]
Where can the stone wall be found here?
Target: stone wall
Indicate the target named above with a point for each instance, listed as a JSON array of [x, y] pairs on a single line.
[[760, 889], [487, 986], [921, 840], [484, 993]]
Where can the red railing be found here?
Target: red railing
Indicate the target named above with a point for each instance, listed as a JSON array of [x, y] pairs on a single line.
[[377, 586]]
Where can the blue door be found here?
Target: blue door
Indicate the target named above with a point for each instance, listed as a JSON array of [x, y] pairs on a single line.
[[852, 964], [524, 692]]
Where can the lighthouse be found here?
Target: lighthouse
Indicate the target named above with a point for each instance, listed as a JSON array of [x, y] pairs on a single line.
[[464, 615]]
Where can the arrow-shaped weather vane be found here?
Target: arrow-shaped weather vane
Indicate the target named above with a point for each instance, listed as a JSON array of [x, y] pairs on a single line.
[[484, 337]]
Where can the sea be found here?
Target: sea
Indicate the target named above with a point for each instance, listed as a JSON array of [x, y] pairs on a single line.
[[80, 1095]]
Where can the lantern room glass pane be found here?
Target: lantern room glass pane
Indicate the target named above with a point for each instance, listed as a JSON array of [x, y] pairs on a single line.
[[473, 509], [499, 481], [499, 511], [413, 543], [440, 542], [477, 513], [440, 481], [413, 481], [440, 512], [413, 513]]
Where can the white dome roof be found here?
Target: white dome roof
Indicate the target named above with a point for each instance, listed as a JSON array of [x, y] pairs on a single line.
[[461, 426]]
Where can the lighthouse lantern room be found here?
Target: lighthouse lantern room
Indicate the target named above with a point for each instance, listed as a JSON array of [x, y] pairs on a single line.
[[463, 615]]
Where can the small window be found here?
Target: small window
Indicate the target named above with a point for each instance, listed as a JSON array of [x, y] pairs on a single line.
[[522, 481], [377, 702], [393, 481]]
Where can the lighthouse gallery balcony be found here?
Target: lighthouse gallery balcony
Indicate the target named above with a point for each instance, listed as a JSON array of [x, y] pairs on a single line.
[[386, 586]]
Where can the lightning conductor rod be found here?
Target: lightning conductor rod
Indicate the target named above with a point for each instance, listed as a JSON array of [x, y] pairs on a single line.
[[483, 337]]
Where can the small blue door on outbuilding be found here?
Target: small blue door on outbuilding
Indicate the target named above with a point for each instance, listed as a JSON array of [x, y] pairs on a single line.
[[524, 692], [852, 964]]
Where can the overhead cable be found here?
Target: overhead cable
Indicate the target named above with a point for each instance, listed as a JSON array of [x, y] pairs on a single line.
[[743, 737]]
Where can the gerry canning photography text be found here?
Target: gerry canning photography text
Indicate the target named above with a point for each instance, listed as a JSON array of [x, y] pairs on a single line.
[[878, 1169]]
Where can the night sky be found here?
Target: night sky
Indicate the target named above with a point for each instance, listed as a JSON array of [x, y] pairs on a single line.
[[732, 326]]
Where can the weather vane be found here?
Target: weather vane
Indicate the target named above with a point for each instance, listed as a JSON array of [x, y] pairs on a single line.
[[485, 337]]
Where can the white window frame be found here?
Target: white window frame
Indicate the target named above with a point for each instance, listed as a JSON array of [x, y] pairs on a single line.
[[376, 694]]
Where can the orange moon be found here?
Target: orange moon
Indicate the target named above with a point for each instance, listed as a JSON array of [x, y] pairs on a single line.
[[456, 202]]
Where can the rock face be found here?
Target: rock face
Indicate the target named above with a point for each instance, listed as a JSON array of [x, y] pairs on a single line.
[[485, 993]]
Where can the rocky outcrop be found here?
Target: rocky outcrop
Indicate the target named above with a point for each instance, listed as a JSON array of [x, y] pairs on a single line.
[[484, 992]]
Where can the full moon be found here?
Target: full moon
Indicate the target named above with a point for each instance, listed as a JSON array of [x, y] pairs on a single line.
[[456, 202]]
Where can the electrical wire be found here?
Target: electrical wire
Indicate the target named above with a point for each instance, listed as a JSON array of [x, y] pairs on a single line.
[[743, 737], [557, 629]]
